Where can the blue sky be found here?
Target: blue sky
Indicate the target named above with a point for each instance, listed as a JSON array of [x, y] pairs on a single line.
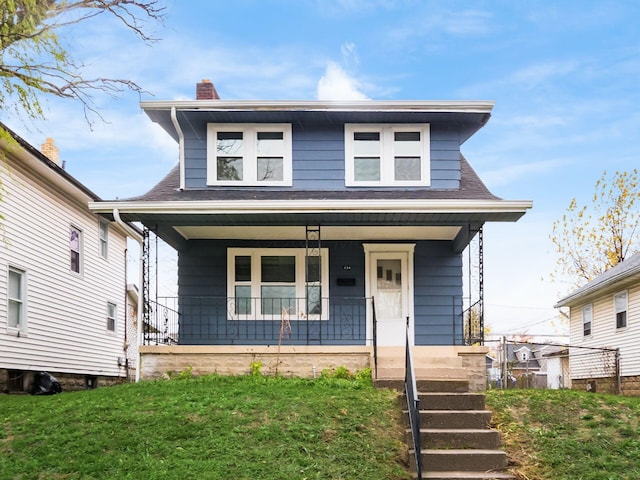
[[564, 76]]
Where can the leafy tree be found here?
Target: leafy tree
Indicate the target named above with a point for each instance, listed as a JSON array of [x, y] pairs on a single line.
[[34, 62], [592, 238]]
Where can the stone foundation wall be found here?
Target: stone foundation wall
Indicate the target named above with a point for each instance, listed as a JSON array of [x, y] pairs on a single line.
[[602, 385], [305, 362], [22, 381], [631, 386]]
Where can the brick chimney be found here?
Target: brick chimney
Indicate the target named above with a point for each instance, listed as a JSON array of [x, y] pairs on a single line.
[[206, 91], [49, 149]]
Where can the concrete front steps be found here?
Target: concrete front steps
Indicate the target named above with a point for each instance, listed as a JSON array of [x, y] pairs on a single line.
[[457, 442]]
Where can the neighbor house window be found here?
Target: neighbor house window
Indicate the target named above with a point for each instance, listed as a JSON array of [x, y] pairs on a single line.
[[104, 238], [587, 318], [249, 154], [620, 305], [75, 247], [387, 155], [17, 299], [269, 283], [112, 311]]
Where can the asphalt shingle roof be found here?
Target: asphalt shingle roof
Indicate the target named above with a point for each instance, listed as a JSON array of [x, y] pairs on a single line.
[[471, 188]]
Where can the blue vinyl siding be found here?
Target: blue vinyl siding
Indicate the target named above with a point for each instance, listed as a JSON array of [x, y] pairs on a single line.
[[438, 294], [195, 154], [202, 272], [318, 158]]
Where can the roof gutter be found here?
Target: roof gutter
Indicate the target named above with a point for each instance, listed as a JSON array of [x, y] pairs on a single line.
[[313, 206], [480, 106], [138, 238], [176, 125]]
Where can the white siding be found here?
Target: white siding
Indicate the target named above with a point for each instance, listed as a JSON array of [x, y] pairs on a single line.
[[604, 331], [66, 312]]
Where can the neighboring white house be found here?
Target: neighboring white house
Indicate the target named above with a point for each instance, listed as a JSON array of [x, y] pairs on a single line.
[[63, 292], [605, 313]]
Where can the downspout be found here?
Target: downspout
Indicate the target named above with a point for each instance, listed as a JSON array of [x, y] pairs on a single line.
[[138, 238], [176, 125]]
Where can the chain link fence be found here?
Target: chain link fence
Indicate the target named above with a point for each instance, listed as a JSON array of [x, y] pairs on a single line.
[[519, 364]]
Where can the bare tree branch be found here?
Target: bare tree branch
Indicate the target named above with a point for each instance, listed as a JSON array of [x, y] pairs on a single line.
[[33, 63]]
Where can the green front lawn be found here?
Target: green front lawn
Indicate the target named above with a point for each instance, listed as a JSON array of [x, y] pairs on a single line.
[[211, 427]]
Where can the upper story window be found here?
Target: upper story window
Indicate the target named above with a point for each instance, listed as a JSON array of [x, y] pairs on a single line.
[[104, 238], [387, 155], [620, 305], [17, 300], [249, 154], [112, 312], [587, 318], [75, 247]]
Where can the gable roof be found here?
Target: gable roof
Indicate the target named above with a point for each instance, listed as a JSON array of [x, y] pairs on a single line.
[[39, 163], [627, 270]]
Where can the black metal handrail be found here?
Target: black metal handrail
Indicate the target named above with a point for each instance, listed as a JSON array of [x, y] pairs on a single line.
[[413, 403], [374, 340]]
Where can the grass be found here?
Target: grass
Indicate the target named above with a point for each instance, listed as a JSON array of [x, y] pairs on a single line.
[[210, 427], [568, 435]]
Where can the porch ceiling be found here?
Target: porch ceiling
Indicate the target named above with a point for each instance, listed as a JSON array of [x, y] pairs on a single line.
[[328, 232]]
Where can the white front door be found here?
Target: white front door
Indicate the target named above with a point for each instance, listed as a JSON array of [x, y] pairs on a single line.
[[389, 278]]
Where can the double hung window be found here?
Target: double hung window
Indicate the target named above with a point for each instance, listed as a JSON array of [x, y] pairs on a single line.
[[75, 247], [104, 238], [249, 154], [267, 283], [587, 318], [620, 306], [17, 300], [112, 313], [387, 155]]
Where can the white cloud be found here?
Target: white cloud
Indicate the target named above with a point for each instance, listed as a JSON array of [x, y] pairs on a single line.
[[336, 84]]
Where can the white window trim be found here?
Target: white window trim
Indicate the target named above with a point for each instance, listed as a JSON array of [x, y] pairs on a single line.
[[256, 254], [21, 330], [616, 311], [387, 165], [585, 307], [103, 223], [80, 250], [115, 318], [249, 163]]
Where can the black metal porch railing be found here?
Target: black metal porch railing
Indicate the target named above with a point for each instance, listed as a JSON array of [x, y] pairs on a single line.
[[413, 403], [473, 318], [190, 320]]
